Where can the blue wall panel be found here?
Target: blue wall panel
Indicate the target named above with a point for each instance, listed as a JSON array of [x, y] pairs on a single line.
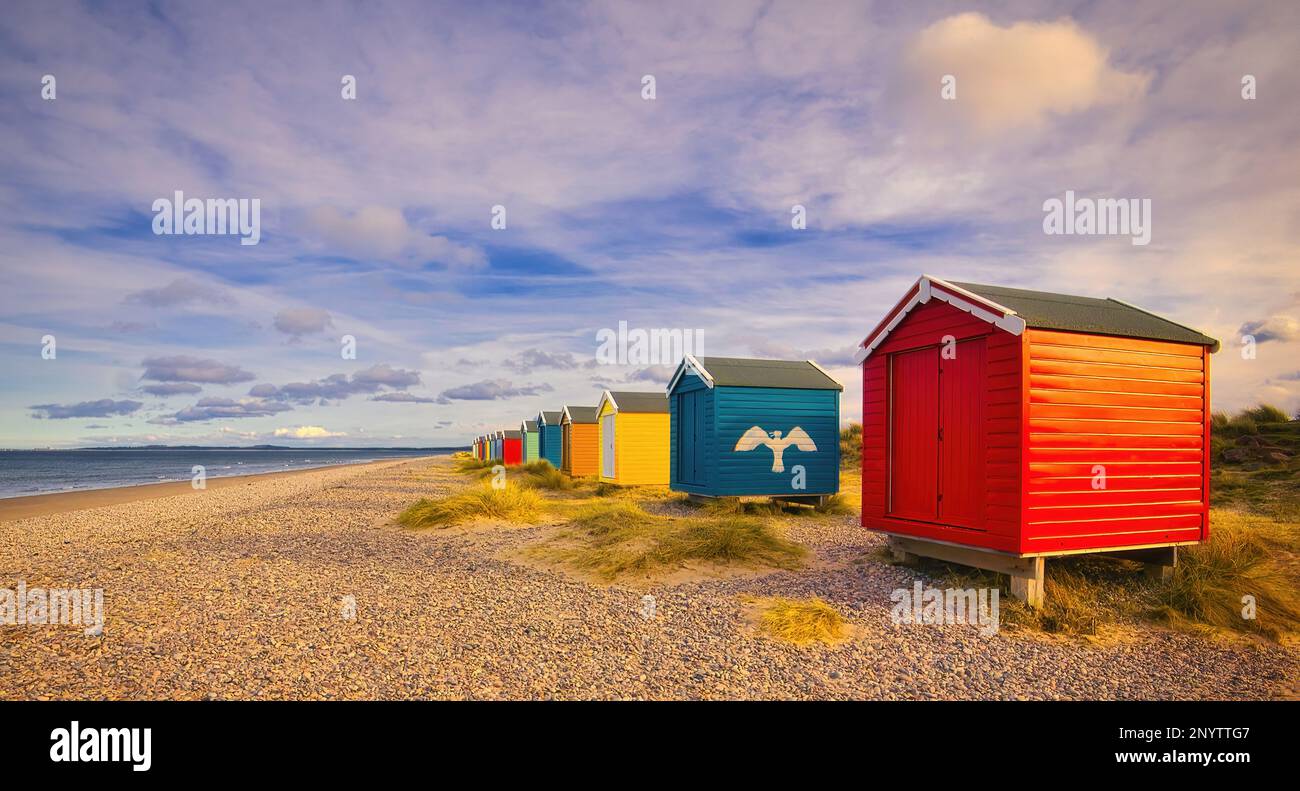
[[549, 444], [728, 412]]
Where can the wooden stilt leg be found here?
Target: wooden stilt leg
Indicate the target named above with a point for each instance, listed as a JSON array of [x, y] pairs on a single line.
[[900, 554], [1028, 587]]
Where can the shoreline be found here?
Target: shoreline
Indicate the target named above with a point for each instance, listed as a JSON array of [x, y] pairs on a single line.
[[28, 506]]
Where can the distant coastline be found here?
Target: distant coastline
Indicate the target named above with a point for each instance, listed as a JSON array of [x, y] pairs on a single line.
[[54, 470]]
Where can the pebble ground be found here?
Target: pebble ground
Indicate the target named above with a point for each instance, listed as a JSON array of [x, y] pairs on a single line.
[[238, 593]]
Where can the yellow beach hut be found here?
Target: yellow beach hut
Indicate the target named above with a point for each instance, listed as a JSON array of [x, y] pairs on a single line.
[[633, 438]]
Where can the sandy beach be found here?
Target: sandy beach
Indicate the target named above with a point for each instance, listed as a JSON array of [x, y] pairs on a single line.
[[239, 592], [29, 506]]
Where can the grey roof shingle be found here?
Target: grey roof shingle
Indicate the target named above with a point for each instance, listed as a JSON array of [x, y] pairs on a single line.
[[1049, 311], [510, 434], [552, 418], [742, 372], [629, 401], [582, 414], [530, 425]]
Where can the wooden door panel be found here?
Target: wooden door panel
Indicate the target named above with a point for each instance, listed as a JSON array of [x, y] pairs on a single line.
[[913, 445], [961, 435]]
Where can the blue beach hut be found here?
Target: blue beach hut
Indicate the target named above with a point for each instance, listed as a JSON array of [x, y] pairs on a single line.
[[740, 427], [550, 439]]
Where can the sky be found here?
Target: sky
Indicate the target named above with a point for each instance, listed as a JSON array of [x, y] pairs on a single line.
[[669, 209]]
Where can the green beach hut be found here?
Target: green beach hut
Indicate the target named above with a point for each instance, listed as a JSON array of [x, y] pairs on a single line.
[[528, 430]]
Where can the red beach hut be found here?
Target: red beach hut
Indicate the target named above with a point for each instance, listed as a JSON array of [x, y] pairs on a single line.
[[1002, 426], [512, 448]]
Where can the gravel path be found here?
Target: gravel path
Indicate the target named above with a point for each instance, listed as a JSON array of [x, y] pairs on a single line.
[[238, 593]]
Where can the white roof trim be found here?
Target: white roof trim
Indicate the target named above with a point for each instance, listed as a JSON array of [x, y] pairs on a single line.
[[565, 414], [1005, 318], [691, 362], [605, 396], [814, 364]]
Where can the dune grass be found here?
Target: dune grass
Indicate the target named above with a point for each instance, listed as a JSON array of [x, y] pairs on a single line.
[[1246, 556], [851, 447], [800, 621], [616, 537], [734, 506], [508, 504], [541, 475], [467, 463], [835, 505]]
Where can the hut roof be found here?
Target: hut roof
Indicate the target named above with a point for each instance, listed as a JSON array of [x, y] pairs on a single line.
[[628, 401], [1050, 311], [743, 372], [580, 414]]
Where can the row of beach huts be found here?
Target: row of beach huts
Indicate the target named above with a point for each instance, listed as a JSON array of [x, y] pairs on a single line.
[[677, 438], [1000, 426]]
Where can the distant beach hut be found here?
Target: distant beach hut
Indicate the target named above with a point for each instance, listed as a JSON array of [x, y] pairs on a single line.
[[474, 448], [581, 441], [496, 446], [633, 438], [529, 431], [550, 438], [512, 451], [754, 427], [1001, 426]]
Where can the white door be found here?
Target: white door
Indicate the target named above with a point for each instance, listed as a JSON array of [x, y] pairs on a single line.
[[607, 440]]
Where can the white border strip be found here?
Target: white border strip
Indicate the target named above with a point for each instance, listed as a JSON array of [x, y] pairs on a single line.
[[1008, 320]]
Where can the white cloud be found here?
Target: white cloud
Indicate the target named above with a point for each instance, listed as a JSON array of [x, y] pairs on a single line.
[[383, 233], [307, 432], [303, 321], [1013, 76]]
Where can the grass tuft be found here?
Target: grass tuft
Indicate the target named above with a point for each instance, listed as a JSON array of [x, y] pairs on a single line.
[[851, 447], [1212, 578], [511, 504], [467, 463], [734, 506], [1266, 413], [801, 621], [541, 475], [835, 505], [616, 537]]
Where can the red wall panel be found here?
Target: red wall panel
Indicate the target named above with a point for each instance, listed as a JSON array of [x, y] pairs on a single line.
[[1116, 442], [512, 451]]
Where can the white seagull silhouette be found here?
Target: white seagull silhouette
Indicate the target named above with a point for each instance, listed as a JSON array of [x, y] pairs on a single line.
[[755, 436]]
